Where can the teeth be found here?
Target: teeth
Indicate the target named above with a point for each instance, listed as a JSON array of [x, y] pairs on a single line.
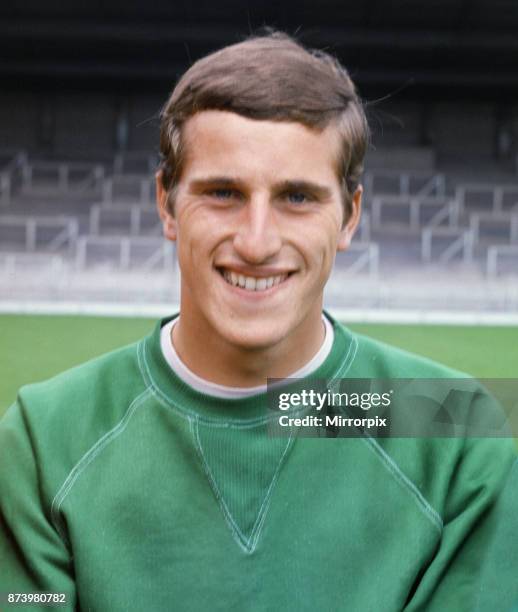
[[251, 283]]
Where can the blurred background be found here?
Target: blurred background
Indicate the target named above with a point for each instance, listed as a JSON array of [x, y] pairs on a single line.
[[82, 88]]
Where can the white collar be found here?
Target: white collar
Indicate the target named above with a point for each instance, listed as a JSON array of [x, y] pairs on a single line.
[[223, 391]]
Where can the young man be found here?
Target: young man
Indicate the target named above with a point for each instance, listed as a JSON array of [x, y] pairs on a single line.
[[148, 478]]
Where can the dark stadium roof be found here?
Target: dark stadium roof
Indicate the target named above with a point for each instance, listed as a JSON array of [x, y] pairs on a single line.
[[466, 46]]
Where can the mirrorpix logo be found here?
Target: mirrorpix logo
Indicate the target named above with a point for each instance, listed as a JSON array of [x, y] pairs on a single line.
[[330, 411]]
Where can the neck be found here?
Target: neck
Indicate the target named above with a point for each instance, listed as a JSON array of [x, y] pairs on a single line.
[[215, 359]]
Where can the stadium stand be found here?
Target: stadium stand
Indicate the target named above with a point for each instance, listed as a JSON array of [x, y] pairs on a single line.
[[440, 213], [78, 219], [130, 219], [123, 253], [495, 255], [129, 187], [33, 233], [452, 242]]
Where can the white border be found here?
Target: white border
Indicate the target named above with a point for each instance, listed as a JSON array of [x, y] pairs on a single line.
[[349, 315]]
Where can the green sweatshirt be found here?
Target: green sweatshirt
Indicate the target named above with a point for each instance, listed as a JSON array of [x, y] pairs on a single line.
[[128, 490], [499, 581]]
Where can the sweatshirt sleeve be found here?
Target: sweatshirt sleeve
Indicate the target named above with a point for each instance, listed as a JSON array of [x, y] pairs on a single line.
[[452, 579], [499, 582], [33, 557]]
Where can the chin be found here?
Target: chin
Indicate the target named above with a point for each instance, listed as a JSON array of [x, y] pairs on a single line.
[[254, 336]]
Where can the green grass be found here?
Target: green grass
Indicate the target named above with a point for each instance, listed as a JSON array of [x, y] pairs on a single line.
[[36, 347], [484, 352]]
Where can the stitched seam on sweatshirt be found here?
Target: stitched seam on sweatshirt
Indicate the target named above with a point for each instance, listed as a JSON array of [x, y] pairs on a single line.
[[405, 482], [246, 544], [236, 532], [263, 510], [390, 464], [186, 413], [88, 457], [347, 362]]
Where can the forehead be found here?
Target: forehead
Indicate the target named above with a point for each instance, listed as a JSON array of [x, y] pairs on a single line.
[[224, 142]]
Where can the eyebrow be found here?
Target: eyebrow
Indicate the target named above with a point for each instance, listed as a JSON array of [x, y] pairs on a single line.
[[225, 181], [320, 191]]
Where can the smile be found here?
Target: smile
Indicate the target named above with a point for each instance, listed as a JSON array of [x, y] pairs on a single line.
[[252, 283]]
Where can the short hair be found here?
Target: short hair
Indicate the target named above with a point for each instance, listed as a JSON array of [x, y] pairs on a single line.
[[271, 77]]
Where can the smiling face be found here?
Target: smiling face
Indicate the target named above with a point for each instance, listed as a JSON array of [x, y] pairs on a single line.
[[258, 218]]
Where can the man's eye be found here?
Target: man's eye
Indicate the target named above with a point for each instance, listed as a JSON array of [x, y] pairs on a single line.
[[297, 197], [222, 194]]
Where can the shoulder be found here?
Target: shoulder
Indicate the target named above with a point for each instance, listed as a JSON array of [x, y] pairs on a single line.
[[105, 380], [465, 397], [374, 358], [57, 421], [462, 416]]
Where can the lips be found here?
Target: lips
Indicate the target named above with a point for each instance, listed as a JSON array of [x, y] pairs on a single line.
[[252, 283]]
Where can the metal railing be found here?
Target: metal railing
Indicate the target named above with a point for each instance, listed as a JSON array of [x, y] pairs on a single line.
[[494, 255], [134, 187], [64, 178], [500, 197], [121, 252], [66, 234], [414, 208], [508, 221], [134, 219], [359, 257], [420, 184], [459, 242]]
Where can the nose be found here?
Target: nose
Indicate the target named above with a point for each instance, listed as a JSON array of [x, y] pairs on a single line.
[[257, 238]]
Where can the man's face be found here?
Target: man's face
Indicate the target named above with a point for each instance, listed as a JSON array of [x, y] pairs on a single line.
[[258, 218]]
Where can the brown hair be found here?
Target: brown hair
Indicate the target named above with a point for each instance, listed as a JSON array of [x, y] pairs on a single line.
[[275, 78]]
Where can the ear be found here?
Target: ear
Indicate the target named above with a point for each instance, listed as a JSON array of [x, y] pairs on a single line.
[[168, 221], [347, 231]]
